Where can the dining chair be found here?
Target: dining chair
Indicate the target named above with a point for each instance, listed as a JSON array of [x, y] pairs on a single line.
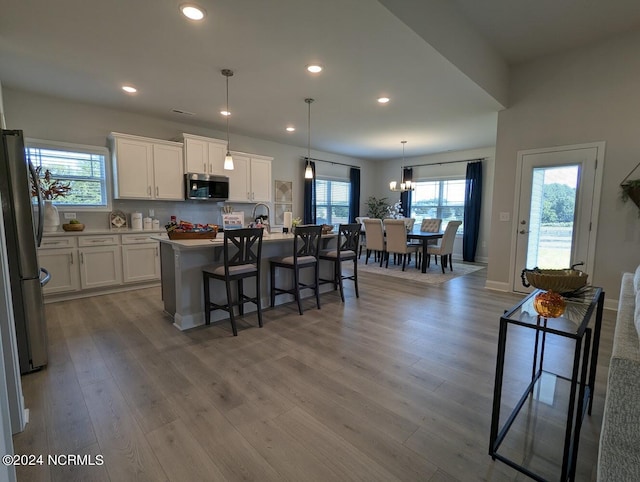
[[445, 248], [242, 253], [375, 238], [363, 237], [306, 252], [396, 232], [348, 236], [409, 223], [431, 225]]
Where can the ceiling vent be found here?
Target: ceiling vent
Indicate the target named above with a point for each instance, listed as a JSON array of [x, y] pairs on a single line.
[[182, 112]]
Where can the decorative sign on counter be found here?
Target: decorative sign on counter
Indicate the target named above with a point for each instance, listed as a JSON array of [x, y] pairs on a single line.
[[234, 220]]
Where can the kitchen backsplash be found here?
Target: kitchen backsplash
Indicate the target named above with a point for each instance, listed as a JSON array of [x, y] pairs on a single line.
[[194, 211]]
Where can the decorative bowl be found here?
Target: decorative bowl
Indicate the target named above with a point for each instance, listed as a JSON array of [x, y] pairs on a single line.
[[549, 304], [558, 280], [327, 228], [73, 227]]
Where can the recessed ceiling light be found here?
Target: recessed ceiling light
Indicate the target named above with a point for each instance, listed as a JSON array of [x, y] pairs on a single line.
[[129, 89], [225, 112], [192, 11], [291, 129], [383, 100], [314, 68]]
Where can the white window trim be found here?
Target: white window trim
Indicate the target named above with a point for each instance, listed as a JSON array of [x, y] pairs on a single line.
[[44, 144]]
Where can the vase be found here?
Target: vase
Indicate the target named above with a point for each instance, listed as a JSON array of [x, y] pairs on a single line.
[[51, 217]]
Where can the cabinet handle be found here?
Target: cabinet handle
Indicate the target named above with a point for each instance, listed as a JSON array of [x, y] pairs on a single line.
[[157, 249], [81, 258], [149, 190], [98, 240], [157, 191], [71, 256]]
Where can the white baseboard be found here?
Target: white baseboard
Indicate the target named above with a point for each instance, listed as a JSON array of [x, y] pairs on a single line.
[[74, 295], [498, 286]]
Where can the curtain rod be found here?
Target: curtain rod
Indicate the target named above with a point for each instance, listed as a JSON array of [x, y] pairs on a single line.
[[329, 162], [447, 162]]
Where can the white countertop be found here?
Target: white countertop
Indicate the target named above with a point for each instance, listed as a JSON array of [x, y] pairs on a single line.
[[90, 232], [218, 241]]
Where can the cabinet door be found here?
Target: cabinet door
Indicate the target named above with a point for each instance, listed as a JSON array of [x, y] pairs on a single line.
[[260, 180], [62, 264], [239, 181], [167, 172], [217, 152], [196, 154], [141, 262], [134, 168], [100, 266]]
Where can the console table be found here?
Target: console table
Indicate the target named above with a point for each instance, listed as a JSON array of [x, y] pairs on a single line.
[[540, 430]]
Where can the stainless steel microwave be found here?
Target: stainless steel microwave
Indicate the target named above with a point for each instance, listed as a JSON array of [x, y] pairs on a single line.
[[205, 187]]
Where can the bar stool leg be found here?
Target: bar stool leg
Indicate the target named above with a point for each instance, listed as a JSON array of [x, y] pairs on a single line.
[[207, 299], [317, 286], [258, 301], [296, 289], [240, 297], [355, 276], [339, 278], [230, 306], [273, 286]]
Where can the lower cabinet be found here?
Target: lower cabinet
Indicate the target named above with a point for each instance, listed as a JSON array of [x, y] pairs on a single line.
[[141, 262], [100, 266], [62, 264], [78, 263]]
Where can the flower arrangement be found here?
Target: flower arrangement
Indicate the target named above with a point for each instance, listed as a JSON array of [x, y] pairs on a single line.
[[395, 211], [296, 222], [50, 188]]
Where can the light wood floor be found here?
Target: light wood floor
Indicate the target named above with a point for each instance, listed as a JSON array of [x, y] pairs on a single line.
[[395, 385]]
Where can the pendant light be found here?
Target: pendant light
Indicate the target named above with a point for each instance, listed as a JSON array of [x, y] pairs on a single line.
[[228, 160], [404, 185], [308, 172]]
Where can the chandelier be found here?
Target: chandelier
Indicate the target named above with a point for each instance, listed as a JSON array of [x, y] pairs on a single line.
[[404, 185]]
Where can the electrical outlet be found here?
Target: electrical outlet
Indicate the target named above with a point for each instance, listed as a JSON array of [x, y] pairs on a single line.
[[152, 213], [505, 216], [69, 215]]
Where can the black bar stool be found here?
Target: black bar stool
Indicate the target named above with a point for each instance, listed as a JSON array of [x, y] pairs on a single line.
[[306, 248], [348, 240], [243, 262]]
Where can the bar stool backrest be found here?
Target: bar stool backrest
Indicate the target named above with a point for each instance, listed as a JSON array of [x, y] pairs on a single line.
[[306, 241], [348, 237], [248, 247]]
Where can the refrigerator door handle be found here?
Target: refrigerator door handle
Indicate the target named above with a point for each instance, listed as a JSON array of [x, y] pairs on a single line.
[[36, 182], [47, 276]]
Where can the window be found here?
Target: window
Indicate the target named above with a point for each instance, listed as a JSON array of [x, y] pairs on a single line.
[[83, 167], [332, 202], [442, 199]]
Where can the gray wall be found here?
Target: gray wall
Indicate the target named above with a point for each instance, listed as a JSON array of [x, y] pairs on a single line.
[[585, 95]]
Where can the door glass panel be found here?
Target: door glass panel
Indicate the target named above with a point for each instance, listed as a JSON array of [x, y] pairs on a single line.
[[552, 217]]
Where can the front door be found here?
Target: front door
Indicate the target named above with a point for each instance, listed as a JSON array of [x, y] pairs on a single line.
[[557, 208]]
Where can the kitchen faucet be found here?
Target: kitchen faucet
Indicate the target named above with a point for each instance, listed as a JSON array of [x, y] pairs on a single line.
[[267, 224]]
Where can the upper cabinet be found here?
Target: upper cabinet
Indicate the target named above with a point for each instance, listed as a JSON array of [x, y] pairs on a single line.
[[146, 168], [203, 155], [250, 180]]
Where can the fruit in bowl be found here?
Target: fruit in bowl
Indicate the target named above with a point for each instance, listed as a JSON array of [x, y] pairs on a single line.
[[73, 225]]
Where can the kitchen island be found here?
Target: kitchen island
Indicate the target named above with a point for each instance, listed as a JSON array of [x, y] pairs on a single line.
[[181, 274]]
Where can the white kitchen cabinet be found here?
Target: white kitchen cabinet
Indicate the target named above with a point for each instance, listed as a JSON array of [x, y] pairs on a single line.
[[250, 180], [146, 168], [62, 264], [167, 172], [100, 261], [100, 266], [204, 155], [140, 258]]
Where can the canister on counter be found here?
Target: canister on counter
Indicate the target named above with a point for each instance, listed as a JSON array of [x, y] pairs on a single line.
[[147, 223], [136, 220]]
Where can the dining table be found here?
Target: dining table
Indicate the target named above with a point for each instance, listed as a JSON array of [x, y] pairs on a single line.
[[424, 237]]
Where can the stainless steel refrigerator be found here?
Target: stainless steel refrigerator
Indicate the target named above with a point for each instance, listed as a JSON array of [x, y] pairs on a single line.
[[23, 236]]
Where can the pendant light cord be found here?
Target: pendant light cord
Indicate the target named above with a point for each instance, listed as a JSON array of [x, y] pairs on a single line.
[[228, 115]]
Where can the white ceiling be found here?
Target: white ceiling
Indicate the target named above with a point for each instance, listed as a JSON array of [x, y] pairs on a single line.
[[86, 49]]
